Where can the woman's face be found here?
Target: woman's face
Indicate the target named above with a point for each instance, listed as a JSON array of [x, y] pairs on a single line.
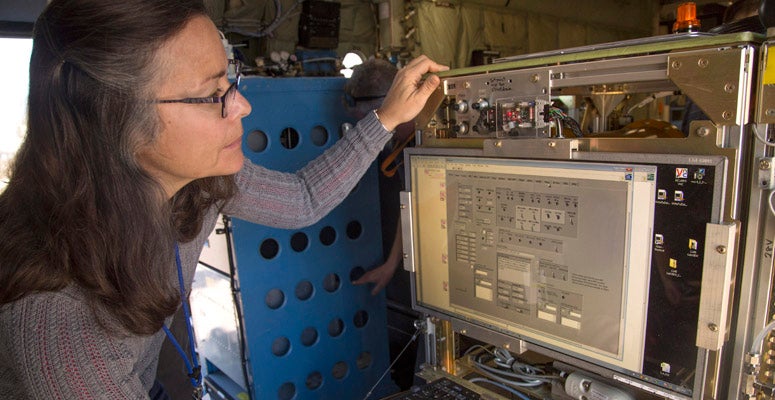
[[195, 140]]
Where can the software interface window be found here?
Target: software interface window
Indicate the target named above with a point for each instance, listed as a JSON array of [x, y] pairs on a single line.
[[545, 250]]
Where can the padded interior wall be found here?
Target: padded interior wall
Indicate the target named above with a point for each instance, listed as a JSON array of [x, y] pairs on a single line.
[[449, 31]]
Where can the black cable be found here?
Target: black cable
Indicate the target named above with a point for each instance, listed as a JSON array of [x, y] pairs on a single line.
[[573, 125], [414, 337], [235, 293]]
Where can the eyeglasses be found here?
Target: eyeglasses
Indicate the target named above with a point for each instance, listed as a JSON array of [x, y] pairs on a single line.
[[225, 100]]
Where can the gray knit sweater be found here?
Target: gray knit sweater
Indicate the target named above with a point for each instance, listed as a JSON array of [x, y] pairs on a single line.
[[51, 346]]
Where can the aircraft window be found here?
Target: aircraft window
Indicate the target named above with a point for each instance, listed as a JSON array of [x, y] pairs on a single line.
[[14, 77]]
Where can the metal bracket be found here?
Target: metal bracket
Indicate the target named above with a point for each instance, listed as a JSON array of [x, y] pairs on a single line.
[[407, 233], [717, 282], [555, 149], [713, 80], [765, 112], [766, 173], [431, 358]]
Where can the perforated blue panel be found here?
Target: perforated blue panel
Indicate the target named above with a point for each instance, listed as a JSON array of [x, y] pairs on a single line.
[[310, 333]]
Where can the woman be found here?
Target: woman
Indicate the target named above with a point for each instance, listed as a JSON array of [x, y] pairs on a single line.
[[121, 171]]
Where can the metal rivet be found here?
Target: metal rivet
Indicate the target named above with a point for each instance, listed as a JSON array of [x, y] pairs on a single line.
[[552, 144]]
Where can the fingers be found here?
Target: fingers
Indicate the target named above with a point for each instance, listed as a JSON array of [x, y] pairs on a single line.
[[362, 280], [377, 288], [378, 276], [409, 92], [369, 277], [429, 85], [424, 64]]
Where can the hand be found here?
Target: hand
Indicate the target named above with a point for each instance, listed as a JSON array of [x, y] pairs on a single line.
[[409, 92], [379, 276]]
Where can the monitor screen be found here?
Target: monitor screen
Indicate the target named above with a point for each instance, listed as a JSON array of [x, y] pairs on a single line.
[[575, 256]]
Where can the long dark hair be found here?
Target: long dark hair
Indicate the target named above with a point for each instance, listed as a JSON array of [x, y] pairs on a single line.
[[79, 209]]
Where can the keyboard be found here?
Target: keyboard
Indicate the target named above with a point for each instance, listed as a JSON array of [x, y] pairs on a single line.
[[440, 389]]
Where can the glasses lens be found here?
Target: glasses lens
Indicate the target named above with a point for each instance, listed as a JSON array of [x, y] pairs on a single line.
[[231, 93]]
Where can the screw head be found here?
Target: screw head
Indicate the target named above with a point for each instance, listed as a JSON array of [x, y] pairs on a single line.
[[703, 131], [713, 327], [702, 62], [721, 249], [675, 64]]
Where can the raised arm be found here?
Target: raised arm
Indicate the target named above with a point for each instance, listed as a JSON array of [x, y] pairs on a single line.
[[294, 200]]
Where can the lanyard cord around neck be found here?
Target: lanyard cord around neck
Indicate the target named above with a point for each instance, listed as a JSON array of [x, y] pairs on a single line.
[[195, 372]]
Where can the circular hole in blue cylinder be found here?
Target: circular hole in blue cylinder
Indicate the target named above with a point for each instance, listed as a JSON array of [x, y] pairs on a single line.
[[327, 236], [289, 138], [314, 380], [304, 290], [299, 241], [364, 360], [360, 318], [319, 135], [281, 346], [287, 391], [274, 298], [335, 327], [340, 369], [257, 141], [354, 230], [356, 273], [269, 249], [331, 282], [309, 336]]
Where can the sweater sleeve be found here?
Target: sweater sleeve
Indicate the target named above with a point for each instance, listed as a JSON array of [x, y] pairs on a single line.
[[295, 200], [59, 351]]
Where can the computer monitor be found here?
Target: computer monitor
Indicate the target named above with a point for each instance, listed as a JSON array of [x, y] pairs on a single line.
[[574, 256]]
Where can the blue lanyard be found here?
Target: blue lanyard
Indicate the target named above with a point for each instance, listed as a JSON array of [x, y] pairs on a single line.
[[195, 372]]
